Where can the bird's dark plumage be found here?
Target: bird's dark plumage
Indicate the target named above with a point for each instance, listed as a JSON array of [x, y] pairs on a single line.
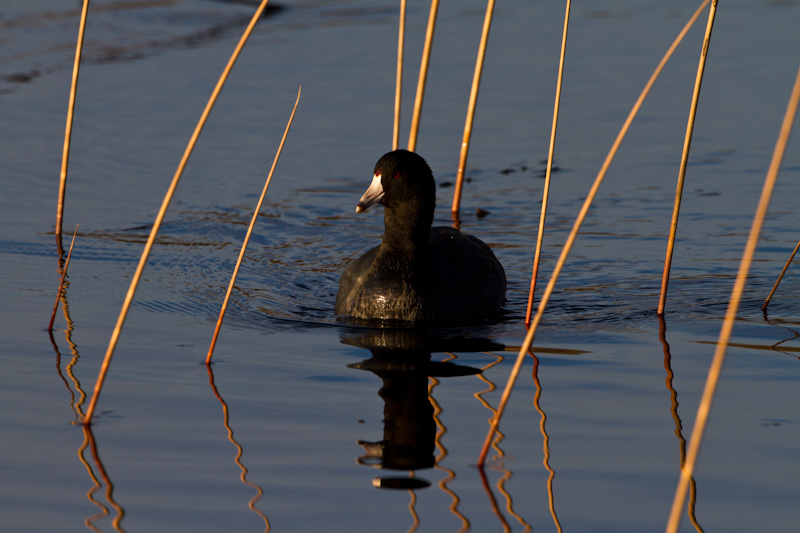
[[418, 273]]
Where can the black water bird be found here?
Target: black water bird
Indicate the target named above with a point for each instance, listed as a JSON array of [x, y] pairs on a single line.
[[418, 273]]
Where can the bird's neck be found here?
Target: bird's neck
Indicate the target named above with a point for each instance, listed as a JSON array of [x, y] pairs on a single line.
[[406, 238]]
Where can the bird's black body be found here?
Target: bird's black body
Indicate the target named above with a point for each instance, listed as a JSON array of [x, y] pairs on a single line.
[[418, 273]]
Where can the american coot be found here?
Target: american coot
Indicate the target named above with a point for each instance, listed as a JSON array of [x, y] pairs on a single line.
[[418, 273]]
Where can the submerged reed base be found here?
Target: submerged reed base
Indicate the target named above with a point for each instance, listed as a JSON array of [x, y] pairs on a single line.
[[61, 283]]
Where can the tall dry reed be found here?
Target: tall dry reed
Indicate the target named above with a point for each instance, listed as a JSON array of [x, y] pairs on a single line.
[[573, 235], [163, 210], [473, 102], [73, 91], [398, 89], [423, 76], [551, 151], [715, 370], [687, 143]]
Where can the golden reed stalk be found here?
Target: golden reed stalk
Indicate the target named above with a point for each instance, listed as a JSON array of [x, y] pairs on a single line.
[[473, 102], [546, 190], [160, 217], [250, 232], [573, 235], [423, 75], [687, 143], [778, 281], [62, 187], [398, 89], [715, 370]]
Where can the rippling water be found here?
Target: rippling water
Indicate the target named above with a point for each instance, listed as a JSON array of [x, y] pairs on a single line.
[[290, 430]]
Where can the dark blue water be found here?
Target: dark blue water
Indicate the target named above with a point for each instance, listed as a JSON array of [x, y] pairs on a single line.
[[269, 440]]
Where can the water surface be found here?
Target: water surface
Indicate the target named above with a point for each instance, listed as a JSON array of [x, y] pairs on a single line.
[[592, 439]]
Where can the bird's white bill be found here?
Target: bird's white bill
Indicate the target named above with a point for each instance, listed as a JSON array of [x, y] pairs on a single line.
[[372, 196]]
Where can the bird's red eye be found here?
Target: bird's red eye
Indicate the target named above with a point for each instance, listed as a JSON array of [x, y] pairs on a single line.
[[396, 175]]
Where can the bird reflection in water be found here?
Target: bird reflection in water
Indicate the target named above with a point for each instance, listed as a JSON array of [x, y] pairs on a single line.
[[401, 358]]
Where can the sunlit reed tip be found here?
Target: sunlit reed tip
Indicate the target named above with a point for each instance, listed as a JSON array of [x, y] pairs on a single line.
[[780, 277]]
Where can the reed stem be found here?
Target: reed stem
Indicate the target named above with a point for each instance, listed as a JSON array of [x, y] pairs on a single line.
[[249, 232], [423, 75], [62, 186], [162, 212], [703, 410], [398, 89], [573, 235], [687, 143], [473, 102], [61, 283], [551, 151], [777, 281]]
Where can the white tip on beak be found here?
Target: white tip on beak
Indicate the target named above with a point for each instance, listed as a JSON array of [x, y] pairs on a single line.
[[372, 196]]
